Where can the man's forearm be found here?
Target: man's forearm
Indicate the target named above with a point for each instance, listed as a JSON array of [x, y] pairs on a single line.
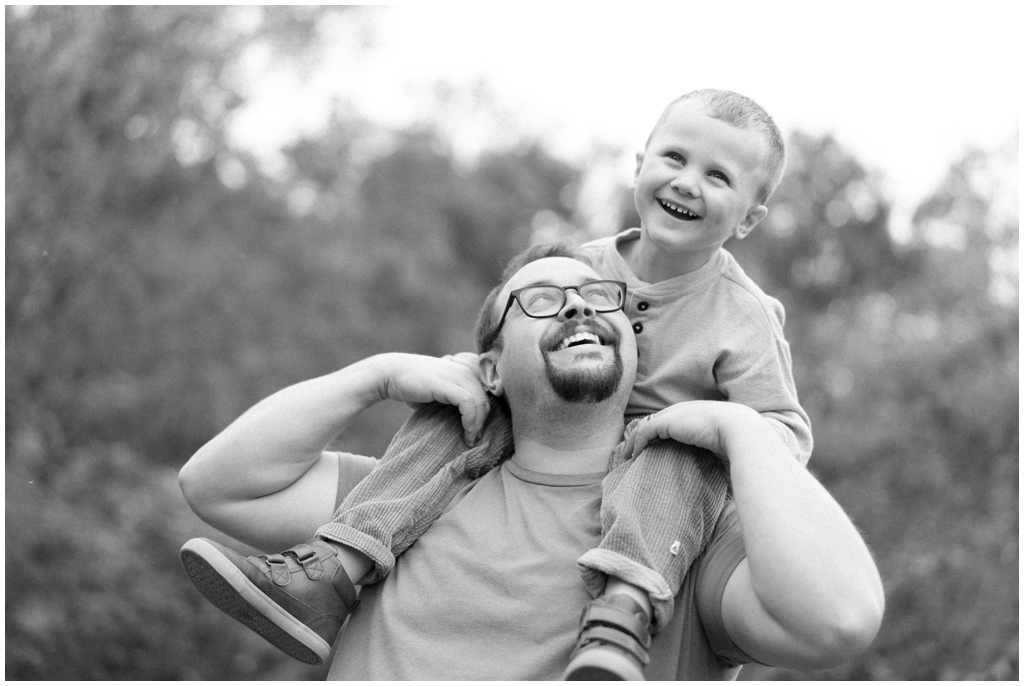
[[809, 568], [276, 441], [266, 477]]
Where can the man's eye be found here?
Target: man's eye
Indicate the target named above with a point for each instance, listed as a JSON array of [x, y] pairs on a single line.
[[540, 298]]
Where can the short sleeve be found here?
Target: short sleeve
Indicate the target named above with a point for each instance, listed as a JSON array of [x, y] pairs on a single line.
[[722, 556], [351, 470]]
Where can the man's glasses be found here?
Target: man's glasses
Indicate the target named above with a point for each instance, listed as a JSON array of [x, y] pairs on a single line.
[[547, 300]]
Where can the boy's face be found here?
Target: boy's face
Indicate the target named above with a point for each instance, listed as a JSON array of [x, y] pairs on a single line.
[[696, 184]]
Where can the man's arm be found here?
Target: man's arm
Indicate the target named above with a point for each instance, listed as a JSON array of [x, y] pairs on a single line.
[[267, 481], [766, 384], [808, 595]]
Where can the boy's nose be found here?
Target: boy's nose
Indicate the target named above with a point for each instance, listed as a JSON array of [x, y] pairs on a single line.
[[686, 182], [575, 306]]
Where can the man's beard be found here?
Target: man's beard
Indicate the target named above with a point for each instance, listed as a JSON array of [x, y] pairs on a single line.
[[585, 385]]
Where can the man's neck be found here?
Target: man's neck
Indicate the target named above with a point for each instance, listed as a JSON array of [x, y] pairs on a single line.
[[572, 439]]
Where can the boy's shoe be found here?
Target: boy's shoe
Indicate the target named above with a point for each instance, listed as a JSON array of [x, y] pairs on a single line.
[[615, 634], [297, 600]]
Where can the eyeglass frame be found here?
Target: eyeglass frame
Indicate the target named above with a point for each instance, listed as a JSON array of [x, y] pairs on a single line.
[[514, 297]]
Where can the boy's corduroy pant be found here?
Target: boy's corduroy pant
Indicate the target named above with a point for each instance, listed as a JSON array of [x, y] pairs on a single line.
[[657, 513]]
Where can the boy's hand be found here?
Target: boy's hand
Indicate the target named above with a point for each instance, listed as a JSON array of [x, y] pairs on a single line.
[[704, 423], [469, 360], [452, 379]]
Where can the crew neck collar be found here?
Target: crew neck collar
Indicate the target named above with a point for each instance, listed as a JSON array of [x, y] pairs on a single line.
[[675, 284], [544, 479]]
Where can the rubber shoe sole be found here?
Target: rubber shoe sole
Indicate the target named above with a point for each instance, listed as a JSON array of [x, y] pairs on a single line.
[[221, 582], [601, 663]]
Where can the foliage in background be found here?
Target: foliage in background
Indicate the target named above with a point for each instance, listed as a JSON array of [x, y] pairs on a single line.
[[158, 283]]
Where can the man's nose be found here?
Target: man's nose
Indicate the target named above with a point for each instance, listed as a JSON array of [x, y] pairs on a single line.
[[575, 306]]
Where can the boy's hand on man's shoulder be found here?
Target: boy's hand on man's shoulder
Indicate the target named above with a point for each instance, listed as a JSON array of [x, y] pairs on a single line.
[[453, 379], [706, 424]]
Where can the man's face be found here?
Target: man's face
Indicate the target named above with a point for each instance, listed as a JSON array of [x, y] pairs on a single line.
[[579, 355], [697, 181]]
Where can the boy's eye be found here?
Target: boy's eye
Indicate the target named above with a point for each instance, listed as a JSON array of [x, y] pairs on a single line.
[[719, 175], [675, 157]]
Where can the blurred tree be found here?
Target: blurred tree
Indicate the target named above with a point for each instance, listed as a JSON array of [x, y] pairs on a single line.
[[826, 233], [492, 216], [113, 116], [117, 339]]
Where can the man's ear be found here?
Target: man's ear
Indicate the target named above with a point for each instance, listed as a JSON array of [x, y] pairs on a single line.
[[489, 373], [754, 215]]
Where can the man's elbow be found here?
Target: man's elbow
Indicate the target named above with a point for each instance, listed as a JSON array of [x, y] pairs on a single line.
[[192, 487], [847, 633]]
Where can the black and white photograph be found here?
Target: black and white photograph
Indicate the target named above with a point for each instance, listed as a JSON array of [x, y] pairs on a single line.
[[563, 341]]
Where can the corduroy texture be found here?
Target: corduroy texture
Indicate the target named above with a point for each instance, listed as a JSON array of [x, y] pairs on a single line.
[[658, 512], [425, 465], [657, 515]]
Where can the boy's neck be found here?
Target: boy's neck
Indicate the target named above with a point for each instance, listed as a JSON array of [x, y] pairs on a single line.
[[652, 265]]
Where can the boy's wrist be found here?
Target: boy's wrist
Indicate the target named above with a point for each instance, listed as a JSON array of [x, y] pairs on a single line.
[[745, 431], [369, 378]]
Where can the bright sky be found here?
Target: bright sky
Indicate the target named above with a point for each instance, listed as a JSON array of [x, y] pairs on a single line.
[[906, 86]]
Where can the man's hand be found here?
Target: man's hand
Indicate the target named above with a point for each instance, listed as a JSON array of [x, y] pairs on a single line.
[[704, 423], [453, 379]]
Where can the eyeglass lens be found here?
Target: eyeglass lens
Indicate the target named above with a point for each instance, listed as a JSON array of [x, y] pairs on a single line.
[[544, 300]]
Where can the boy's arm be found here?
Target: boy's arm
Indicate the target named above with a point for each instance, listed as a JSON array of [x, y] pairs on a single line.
[[267, 481], [808, 595], [763, 380]]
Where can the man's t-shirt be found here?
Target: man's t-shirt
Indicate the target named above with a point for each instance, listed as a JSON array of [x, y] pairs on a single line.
[[492, 591]]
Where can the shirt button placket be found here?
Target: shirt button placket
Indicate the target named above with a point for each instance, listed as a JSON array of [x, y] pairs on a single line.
[[641, 306]]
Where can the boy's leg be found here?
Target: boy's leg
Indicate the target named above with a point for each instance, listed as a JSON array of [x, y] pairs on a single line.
[[299, 599], [426, 464], [657, 515]]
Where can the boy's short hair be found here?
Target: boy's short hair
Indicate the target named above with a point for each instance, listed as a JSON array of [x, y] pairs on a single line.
[[742, 112], [487, 320]]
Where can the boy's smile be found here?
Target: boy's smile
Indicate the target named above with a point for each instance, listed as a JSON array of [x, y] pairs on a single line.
[[678, 211], [695, 187]]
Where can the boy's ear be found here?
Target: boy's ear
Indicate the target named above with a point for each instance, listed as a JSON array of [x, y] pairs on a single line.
[[489, 374], [639, 163], [754, 215]]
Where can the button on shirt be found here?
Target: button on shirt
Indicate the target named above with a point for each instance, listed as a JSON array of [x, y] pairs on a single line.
[[711, 334]]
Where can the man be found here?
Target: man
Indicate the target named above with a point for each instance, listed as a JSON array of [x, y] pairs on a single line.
[[491, 590]]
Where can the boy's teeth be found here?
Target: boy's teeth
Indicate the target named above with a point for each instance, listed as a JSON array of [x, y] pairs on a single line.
[[578, 337], [679, 210]]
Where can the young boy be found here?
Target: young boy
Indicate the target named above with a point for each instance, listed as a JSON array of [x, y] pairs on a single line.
[[704, 331]]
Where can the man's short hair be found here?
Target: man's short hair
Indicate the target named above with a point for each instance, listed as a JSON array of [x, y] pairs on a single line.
[[487, 322], [741, 112]]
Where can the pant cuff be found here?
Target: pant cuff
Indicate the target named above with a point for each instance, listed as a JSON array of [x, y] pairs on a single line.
[[598, 564], [383, 560]]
